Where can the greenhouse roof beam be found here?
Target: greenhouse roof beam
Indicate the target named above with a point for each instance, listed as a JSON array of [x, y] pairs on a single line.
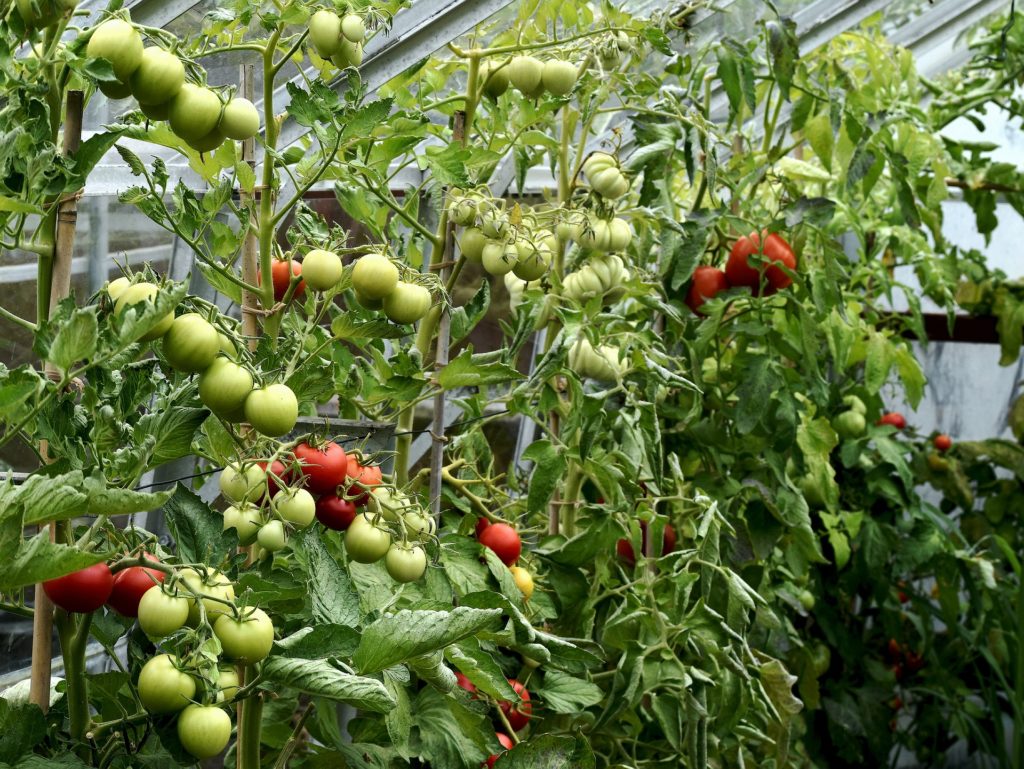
[[152, 13], [932, 36]]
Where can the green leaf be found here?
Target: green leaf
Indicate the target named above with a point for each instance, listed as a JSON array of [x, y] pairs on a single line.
[[464, 319], [550, 751], [449, 733], [172, 430], [754, 393], [43, 498], [821, 137], [197, 529], [468, 370], [331, 593], [75, 339], [320, 678], [778, 683], [879, 362], [15, 206], [22, 727], [407, 634], [319, 642], [481, 669], [114, 501], [563, 693], [729, 74], [910, 374], [38, 559], [549, 466], [784, 50]]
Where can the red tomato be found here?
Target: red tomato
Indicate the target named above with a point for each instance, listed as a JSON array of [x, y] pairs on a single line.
[[893, 418], [325, 467], [129, 586], [503, 540], [334, 512], [706, 283], [506, 742], [466, 684], [278, 468], [481, 524], [81, 591], [279, 272], [362, 478], [739, 271], [518, 714], [942, 442], [625, 548]]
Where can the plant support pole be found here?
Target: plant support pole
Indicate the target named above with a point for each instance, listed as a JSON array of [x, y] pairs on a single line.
[[60, 287], [250, 247], [437, 437]]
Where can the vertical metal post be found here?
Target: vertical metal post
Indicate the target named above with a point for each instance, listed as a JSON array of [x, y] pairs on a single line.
[[67, 217]]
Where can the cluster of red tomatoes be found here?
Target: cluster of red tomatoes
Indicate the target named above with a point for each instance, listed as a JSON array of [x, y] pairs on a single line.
[[516, 713], [504, 542], [769, 277]]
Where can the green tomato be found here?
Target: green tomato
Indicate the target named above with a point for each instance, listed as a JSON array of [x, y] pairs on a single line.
[[353, 28], [471, 244], [349, 54], [599, 161], [526, 74], [500, 258], [272, 410], [191, 343], [160, 613], [494, 78], [115, 90], [242, 484], [138, 293], [364, 542], [374, 276], [158, 78], [322, 270], [535, 264], [240, 120], [215, 586], [821, 658], [559, 77], [227, 683], [620, 235], [405, 563], [118, 42], [247, 639], [296, 506], [462, 211], [195, 112], [325, 33], [163, 688], [849, 425], [246, 520], [853, 403], [224, 388], [807, 599], [368, 303], [609, 183], [419, 523], [272, 536], [117, 287], [407, 303], [207, 143], [204, 730], [389, 503], [155, 112]]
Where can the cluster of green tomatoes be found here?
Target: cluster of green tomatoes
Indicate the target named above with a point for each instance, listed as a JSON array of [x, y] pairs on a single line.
[[155, 77]]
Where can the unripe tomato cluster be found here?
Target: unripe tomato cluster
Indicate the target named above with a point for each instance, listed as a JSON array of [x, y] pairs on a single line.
[[338, 38], [375, 280], [156, 78], [770, 275], [192, 344], [503, 242], [601, 276], [394, 528], [530, 76], [851, 424], [601, 363]]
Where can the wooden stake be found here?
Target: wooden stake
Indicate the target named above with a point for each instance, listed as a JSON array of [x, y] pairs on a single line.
[[60, 287], [437, 438], [250, 249]]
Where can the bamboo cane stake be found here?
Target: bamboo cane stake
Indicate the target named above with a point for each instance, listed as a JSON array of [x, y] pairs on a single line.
[[60, 287]]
